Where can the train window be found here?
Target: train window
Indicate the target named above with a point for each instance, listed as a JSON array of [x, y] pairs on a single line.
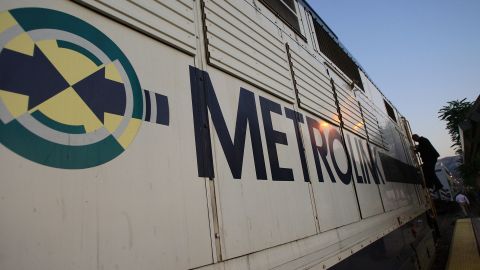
[[285, 10], [390, 111], [331, 49]]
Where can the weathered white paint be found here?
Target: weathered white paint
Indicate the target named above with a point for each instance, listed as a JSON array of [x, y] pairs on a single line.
[[148, 209], [171, 21]]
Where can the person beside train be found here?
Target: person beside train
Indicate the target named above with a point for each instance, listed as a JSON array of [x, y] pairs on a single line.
[[429, 157], [463, 202]]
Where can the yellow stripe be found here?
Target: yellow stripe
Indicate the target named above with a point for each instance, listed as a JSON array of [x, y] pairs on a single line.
[[463, 251]]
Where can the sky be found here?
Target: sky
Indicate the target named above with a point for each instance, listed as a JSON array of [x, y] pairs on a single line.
[[420, 53]]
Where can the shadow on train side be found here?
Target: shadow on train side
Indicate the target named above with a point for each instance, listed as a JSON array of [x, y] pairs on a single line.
[[409, 247]]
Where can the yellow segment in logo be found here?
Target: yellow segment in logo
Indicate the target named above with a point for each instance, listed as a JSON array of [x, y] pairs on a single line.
[[68, 108], [111, 73], [6, 21], [111, 123], [77, 82], [129, 134], [72, 65], [22, 43], [17, 104]]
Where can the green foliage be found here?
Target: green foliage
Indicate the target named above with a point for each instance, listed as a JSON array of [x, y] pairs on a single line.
[[454, 113]]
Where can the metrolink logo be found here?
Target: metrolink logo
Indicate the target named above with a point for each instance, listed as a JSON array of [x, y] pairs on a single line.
[[69, 97], [327, 148]]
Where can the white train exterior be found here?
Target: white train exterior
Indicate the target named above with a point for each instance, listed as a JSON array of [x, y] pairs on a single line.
[[203, 134]]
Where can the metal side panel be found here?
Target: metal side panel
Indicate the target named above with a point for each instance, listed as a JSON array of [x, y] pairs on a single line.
[[395, 195], [145, 207], [376, 97], [403, 194], [366, 176], [413, 199], [370, 115], [313, 84], [393, 137], [408, 148], [392, 142], [335, 201], [395, 192], [408, 197], [418, 195], [313, 35], [351, 115], [401, 150], [425, 251], [400, 249], [170, 21], [243, 42], [389, 190], [421, 195], [254, 213], [305, 18], [329, 249]]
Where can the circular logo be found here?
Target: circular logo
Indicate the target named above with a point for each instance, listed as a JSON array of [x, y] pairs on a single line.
[[69, 98]]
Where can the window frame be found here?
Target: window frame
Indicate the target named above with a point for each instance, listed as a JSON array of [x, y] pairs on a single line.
[[390, 111], [294, 12], [329, 47]]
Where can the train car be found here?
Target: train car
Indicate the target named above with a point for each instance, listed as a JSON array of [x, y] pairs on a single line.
[[447, 179], [205, 134]]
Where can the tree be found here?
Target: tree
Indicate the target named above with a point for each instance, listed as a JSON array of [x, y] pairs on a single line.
[[469, 172], [454, 113]]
